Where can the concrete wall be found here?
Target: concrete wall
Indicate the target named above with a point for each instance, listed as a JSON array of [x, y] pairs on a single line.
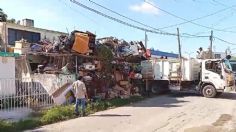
[[7, 76], [7, 67], [49, 34], [52, 82]]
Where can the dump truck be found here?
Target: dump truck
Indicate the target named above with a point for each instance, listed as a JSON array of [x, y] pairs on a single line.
[[209, 77]]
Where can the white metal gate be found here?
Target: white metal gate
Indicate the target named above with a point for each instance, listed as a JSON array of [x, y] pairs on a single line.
[[23, 93]]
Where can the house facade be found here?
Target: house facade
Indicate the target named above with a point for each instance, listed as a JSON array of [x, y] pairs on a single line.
[[11, 32]]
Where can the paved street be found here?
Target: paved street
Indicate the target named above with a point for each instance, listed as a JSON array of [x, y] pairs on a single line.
[[167, 113]]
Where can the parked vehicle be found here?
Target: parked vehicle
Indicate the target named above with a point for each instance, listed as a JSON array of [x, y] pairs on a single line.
[[233, 65], [210, 77]]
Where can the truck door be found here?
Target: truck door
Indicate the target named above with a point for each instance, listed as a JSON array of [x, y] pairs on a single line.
[[212, 73]]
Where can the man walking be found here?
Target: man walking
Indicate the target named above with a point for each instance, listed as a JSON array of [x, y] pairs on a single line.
[[81, 96]]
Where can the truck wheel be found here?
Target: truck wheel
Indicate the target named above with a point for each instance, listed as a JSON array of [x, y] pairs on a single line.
[[209, 91]]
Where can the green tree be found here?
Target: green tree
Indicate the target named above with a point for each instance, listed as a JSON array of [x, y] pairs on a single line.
[[3, 16], [11, 20]]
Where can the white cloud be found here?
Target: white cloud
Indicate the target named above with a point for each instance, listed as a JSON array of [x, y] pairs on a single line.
[[144, 7]]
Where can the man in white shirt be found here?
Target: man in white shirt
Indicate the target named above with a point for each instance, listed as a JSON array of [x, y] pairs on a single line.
[[80, 95]]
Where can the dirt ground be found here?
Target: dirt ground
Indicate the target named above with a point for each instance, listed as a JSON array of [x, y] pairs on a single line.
[[175, 112]]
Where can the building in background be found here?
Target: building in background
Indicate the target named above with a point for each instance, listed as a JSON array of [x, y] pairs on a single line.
[[161, 54], [219, 55], [11, 32]]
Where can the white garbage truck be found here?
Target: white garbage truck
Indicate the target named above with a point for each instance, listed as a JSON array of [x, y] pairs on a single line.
[[209, 77]]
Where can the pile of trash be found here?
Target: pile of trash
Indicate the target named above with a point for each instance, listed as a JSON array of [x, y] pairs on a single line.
[[121, 48], [77, 41], [80, 54]]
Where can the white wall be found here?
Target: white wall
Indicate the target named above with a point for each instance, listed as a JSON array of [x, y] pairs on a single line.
[[7, 67], [7, 76], [52, 82]]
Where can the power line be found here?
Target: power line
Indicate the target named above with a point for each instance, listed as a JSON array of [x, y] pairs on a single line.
[[222, 4], [118, 20], [169, 13], [131, 25], [224, 41], [229, 27], [124, 16], [196, 36], [196, 18]]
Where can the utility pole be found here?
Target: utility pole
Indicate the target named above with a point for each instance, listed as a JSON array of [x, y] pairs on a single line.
[[179, 73], [211, 39], [146, 39], [180, 55]]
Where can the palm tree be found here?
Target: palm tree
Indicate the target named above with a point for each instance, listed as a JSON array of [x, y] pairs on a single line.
[[3, 16]]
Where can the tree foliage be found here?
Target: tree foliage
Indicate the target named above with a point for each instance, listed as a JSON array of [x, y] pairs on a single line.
[[11, 20], [3, 16], [106, 56]]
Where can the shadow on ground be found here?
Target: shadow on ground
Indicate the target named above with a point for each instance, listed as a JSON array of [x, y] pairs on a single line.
[[173, 99], [176, 99], [179, 94], [229, 96]]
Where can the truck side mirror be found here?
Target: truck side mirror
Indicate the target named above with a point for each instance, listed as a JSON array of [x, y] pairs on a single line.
[[221, 77]]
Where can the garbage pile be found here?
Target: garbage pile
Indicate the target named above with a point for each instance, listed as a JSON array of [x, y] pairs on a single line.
[[107, 73], [121, 48], [77, 41]]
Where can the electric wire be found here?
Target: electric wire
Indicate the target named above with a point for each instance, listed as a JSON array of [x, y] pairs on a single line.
[[124, 16], [128, 24], [202, 17], [187, 21], [120, 21], [222, 40]]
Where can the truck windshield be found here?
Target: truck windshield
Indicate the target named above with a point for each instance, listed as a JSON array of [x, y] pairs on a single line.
[[227, 64]]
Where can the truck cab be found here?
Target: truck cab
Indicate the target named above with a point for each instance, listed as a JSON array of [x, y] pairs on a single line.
[[233, 65], [216, 77]]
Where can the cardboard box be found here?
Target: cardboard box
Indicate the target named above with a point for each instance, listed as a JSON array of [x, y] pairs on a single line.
[[81, 43]]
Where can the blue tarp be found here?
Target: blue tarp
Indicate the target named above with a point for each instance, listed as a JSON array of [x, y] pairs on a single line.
[[161, 53]]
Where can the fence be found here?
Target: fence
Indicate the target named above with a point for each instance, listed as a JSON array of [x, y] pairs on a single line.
[[24, 93]]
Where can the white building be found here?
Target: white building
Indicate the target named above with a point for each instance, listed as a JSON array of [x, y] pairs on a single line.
[[11, 32], [219, 55]]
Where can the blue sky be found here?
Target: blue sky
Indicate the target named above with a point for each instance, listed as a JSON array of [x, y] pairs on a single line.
[[62, 15]]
